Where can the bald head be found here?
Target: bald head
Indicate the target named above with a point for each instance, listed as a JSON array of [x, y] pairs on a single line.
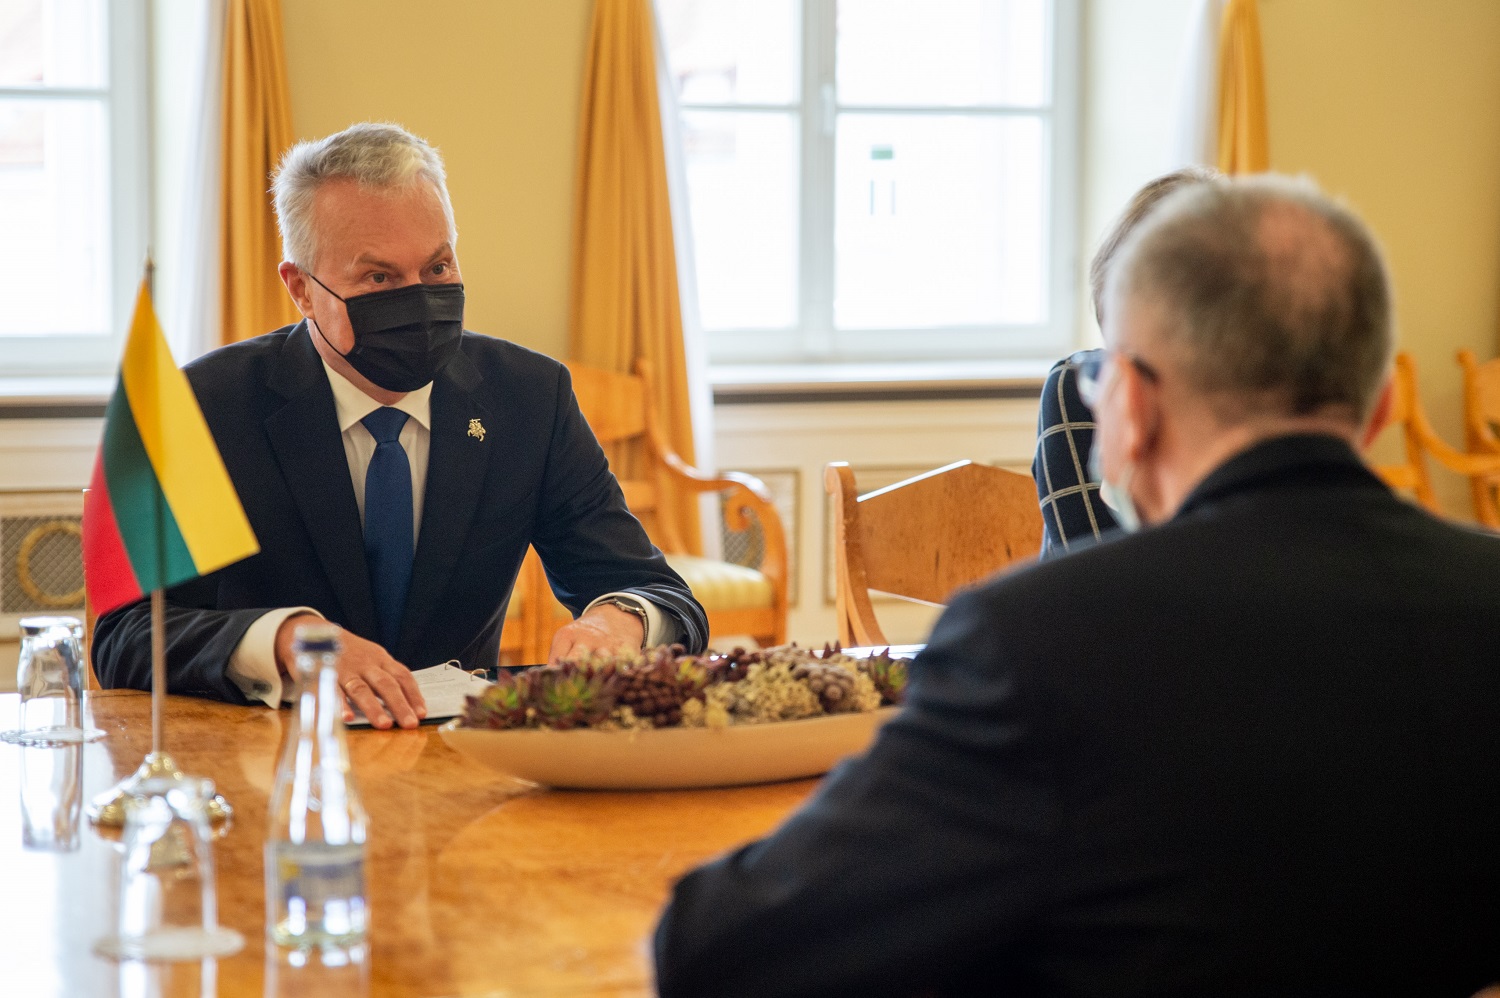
[[1266, 297]]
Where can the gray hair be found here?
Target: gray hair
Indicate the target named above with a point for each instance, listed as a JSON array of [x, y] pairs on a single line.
[[1141, 203], [373, 153], [1271, 294]]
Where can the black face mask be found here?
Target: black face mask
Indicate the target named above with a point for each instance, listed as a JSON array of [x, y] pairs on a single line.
[[405, 336]]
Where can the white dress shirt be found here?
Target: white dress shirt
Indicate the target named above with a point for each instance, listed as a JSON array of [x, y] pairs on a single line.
[[252, 666]]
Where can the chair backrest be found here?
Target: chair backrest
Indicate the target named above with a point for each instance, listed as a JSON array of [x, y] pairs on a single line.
[[1406, 419], [1481, 421], [614, 404], [617, 410], [927, 537], [1422, 441]]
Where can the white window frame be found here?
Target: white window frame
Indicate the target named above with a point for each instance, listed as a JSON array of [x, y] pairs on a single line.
[[815, 340], [128, 127]]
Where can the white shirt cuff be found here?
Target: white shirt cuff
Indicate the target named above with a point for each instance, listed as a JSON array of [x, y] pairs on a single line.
[[661, 629], [252, 666]]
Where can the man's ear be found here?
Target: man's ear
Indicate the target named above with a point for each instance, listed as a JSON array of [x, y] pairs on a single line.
[[1142, 399], [296, 286], [1380, 417]]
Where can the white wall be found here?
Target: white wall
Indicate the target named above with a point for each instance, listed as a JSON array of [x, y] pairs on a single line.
[[1132, 53]]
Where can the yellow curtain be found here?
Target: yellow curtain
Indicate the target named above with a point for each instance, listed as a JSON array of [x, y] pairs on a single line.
[[257, 131], [624, 300], [1243, 146]]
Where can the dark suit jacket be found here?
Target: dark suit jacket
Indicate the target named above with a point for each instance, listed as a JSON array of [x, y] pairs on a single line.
[[1254, 751], [538, 477]]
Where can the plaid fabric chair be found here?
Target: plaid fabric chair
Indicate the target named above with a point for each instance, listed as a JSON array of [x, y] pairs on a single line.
[[1073, 514]]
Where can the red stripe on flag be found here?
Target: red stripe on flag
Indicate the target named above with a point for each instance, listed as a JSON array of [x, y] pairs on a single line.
[[107, 573]]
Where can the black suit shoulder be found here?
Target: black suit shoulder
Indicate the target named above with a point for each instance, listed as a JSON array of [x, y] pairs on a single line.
[[503, 359], [233, 382], [236, 362]]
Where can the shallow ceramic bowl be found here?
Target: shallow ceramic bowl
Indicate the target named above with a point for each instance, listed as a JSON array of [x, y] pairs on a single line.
[[670, 758]]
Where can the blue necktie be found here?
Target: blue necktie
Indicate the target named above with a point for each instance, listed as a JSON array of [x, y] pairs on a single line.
[[388, 520]]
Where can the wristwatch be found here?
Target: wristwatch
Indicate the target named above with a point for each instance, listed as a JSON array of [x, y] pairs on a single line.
[[631, 606]]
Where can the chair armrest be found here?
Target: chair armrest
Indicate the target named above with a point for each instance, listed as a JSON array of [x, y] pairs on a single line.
[[694, 480], [747, 496], [1470, 465]]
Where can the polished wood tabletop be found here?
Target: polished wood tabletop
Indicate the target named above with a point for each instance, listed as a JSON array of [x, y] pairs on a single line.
[[478, 885]]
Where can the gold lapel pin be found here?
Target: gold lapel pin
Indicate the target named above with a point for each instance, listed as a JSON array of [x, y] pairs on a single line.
[[476, 429]]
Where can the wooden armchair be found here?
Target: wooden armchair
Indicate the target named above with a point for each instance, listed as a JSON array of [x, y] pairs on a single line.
[[527, 616], [927, 537], [1481, 419], [1421, 441], [737, 598]]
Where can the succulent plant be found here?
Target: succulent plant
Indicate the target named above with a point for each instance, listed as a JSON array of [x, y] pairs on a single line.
[[697, 673], [833, 684], [655, 687], [664, 686], [570, 695], [889, 675], [502, 704]]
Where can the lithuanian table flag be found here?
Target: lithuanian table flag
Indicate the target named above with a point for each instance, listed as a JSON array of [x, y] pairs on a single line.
[[161, 509]]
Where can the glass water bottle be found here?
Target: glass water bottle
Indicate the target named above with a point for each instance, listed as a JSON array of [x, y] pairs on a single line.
[[315, 853]]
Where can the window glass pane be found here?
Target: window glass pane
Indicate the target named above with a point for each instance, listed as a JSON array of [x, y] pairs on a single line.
[[58, 43], [742, 183], [942, 52], [939, 221], [733, 51], [54, 199]]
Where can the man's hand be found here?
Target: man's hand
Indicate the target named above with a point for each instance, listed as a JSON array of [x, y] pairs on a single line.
[[369, 678], [604, 628]]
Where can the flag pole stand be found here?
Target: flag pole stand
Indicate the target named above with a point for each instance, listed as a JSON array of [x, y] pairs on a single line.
[[158, 772]]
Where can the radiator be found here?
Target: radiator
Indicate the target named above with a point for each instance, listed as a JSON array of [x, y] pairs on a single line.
[[41, 557]]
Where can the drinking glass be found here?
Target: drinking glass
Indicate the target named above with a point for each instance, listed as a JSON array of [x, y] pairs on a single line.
[[49, 677], [314, 972], [190, 979], [168, 901], [51, 797]]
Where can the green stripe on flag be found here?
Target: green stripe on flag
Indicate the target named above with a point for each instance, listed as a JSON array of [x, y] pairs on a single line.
[[140, 506]]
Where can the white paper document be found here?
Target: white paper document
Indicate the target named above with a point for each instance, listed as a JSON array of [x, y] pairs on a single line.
[[443, 687]]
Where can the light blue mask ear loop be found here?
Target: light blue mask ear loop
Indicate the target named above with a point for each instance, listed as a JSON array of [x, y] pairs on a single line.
[[1115, 496]]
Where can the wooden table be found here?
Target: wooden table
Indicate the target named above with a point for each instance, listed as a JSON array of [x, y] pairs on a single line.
[[477, 886]]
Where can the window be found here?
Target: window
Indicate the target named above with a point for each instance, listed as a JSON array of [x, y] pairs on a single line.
[[73, 191], [879, 180]]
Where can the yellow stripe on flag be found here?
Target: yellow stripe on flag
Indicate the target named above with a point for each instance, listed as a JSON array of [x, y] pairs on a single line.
[[181, 449]]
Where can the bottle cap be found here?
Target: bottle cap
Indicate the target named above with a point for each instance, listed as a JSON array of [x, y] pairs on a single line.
[[319, 637]]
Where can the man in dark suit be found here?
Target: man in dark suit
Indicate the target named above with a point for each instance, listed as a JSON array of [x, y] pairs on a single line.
[[394, 468], [1249, 750]]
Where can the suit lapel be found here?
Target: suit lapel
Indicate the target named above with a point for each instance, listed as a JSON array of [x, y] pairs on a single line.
[[304, 434], [456, 467]]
